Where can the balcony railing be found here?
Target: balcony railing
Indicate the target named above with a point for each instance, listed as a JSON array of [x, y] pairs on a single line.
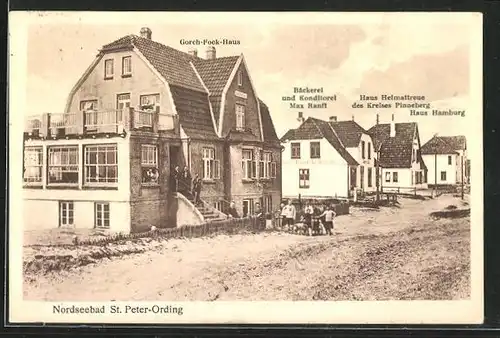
[[103, 121], [100, 121]]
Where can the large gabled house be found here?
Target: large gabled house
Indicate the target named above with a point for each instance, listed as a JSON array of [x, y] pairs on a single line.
[[139, 110], [324, 159], [446, 158], [400, 158]]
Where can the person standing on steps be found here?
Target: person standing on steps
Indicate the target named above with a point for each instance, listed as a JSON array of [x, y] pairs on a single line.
[[232, 210], [174, 177], [186, 182], [197, 184]]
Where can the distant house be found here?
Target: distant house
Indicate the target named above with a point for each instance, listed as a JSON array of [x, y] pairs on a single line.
[[401, 162], [446, 158], [139, 110], [322, 159]]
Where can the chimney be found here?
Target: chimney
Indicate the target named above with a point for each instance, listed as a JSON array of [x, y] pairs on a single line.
[[146, 33], [377, 119], [353, 117], [300, 118], [393, 127], [210, 53], [333, 119], [193, 52]]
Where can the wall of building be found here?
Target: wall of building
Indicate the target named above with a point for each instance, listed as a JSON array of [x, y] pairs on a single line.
[[241, 188], [328, 175], [83, 214], [142, 82], [404, 178], [252, 119], [442, 165]]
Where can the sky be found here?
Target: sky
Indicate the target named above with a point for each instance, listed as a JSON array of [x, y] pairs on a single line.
[[346, 59]]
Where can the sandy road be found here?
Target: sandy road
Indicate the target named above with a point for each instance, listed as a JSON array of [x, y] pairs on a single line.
[[394, 253]]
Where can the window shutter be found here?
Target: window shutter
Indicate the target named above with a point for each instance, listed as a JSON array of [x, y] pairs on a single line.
[[217, 169], [273, 169]]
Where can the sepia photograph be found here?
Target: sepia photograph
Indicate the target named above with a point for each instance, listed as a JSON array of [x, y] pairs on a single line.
[[245, 167]]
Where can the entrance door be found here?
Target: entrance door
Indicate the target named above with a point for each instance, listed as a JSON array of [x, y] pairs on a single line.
[[353, 178], [122, 103]]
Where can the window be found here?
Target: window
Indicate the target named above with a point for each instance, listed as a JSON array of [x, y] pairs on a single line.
[[273, 169], [304, 178], [369, 150], [101, 164], [33, 165], [240, 78], [211, 166], [315, 150], [101, 218], [240, 117], [362, 149], [88, 105], [265, 164], [63, 165], [295, 150], [149, 163], [66, 213], [150, 102], [443, 175], [387, 176], [248, 164], [449, 160], [218, 205], [369, 173], [247, 207], [268, 204], [395, 176], [108, 69], [126, 66]]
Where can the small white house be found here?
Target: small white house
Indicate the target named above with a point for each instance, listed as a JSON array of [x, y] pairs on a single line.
[[446, 159], [315, 164], [402, 166]]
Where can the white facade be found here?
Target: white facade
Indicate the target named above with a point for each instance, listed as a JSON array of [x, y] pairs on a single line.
[[45, 200], [365, 172], [327, 176], [448, 168]]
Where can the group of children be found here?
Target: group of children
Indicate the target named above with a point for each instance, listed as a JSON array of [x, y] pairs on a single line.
[[312, 220]]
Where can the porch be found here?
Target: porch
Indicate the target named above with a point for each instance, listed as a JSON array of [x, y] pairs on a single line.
[[92, 122]]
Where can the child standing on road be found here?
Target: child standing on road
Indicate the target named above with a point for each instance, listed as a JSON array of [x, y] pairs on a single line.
[[329, 215]]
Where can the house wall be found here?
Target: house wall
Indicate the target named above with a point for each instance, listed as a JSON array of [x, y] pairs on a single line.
[[142, 82], [149, 202], [442, 165], [212, 190], [252, 120], [241, 189], [356, 153], [328, 175], [404, 178], [45, 200]]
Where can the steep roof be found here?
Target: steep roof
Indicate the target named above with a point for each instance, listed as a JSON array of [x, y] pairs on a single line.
[[444, 145], [215, 75], [313, 128], [395, 152], [267, 124], [349, 132], [194, 112]]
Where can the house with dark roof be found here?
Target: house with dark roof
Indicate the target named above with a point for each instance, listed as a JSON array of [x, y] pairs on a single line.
[[327, 159], [399, 155], [140, 112], [446, 158]]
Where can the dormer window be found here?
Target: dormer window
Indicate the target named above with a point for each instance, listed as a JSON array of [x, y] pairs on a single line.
[[127, 66], [240, 78], [108, 69]]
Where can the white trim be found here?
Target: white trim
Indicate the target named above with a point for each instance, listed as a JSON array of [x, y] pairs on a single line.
[[226, 88], [208, 94], [256, 97], [183, 135], [81, 80], [162, 79]]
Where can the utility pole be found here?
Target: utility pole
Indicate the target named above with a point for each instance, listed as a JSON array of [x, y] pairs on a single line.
[[377, 181]]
